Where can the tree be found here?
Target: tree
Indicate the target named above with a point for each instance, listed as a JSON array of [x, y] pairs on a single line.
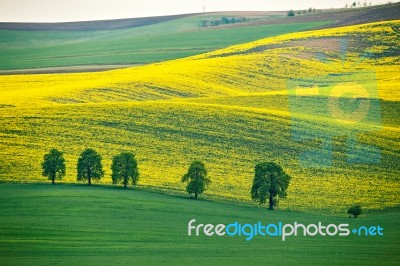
[[270, 181], [354, 4], [124, 169], [225, 20], [53, 165], [90, 166], [355, 210], [197, 178], [309, 10], [290, 13]]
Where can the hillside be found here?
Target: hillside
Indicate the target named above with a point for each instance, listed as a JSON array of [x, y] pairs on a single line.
[[80, 225], [340, 17], [99, 25], [231, 108], [99, 45], [139, 45]]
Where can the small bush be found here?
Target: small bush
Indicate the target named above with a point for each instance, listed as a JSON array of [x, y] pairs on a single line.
[[355, 210], [290, 13]]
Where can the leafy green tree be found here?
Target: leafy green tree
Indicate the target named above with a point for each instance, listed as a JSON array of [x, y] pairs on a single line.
[[290, 13], [204, 23], [53, 165], [225, 20], [355, 210], [124, 169], [90, 166], [197, 178], [270, 181]]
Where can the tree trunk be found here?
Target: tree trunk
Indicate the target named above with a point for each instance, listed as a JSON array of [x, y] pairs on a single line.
[[125, 181], [89, 176], [52, 180], [271, 202], [195, 195], [53, 177]]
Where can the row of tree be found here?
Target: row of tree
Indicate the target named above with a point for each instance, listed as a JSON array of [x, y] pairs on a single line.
[[269, 184], [124, 167], [291, 13], [221, 21], [354, 4]]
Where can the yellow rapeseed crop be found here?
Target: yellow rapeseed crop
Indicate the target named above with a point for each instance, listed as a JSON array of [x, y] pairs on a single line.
[[229, 108]]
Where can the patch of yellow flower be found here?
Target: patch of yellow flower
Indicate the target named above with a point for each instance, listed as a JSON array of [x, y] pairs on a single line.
[[228, 108]]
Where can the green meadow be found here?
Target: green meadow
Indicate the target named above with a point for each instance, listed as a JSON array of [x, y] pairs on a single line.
[[80, 225], [153, 43]]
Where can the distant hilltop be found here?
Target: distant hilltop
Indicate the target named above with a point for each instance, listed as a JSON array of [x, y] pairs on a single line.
[[340, 17]]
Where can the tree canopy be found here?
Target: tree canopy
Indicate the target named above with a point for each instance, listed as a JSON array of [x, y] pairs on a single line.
[[197, 178], [270, 181], [90, 166], [53, 165], [355, 210], [125, 169]]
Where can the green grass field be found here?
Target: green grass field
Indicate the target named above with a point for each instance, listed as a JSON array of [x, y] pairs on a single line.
[[153, 43], [80, 225], [117, 43]]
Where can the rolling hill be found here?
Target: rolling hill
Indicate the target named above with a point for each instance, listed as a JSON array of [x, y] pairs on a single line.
[[80, 225], [99, 45], [176, 38], [230, 108]]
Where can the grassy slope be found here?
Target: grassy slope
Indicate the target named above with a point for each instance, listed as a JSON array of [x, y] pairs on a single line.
[[237, 123], [152, 43], [79, 225], [144, 40]]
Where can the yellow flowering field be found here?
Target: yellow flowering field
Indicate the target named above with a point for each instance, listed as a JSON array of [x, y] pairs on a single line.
[[230, 108]]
